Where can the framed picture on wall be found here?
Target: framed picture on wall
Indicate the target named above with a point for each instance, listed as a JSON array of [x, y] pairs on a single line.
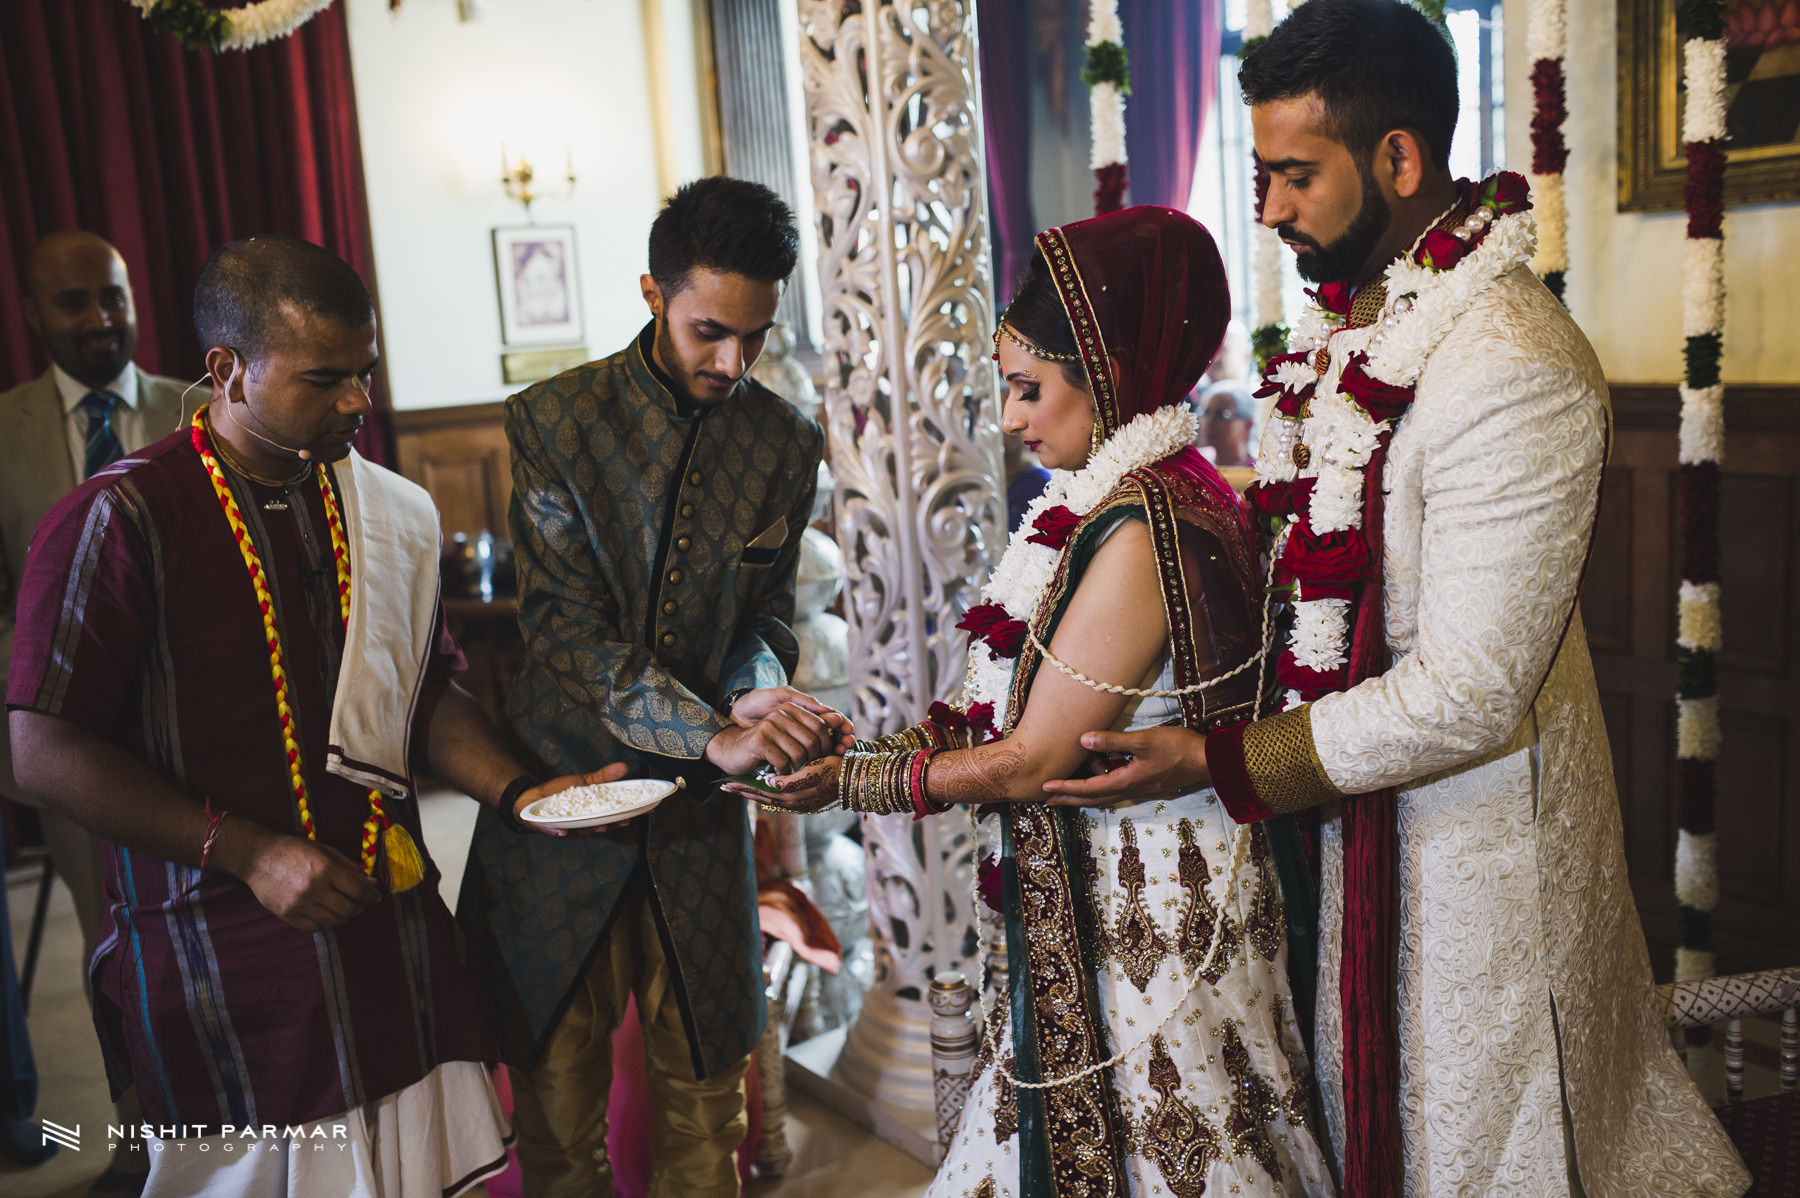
[[540, 296], [1762, 114]]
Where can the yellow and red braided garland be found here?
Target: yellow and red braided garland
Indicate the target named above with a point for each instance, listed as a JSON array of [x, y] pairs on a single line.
[[401, 875]]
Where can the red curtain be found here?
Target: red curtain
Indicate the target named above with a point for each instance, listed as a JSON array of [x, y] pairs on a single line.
[[1174, 48], [168, 153]]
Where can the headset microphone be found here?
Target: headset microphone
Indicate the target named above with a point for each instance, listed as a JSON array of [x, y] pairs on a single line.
[[304, 455]]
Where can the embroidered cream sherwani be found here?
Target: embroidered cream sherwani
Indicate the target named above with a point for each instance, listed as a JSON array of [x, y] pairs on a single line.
[[1524, 984]]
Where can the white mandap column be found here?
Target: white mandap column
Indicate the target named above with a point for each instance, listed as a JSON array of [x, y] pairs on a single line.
[[900, 195]]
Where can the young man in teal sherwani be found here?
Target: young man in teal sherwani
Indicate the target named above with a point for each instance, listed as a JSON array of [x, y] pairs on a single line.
[[659, 498]]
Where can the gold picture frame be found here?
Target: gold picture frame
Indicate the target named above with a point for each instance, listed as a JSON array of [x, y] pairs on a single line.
[[1761, 167]]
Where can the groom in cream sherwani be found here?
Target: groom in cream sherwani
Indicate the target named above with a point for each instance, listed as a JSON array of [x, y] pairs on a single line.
[[1531, 1056]]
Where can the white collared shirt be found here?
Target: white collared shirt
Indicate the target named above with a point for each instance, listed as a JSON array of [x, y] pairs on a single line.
[[127, 420]]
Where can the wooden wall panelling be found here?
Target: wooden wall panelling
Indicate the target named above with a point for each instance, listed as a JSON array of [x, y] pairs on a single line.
[[459, 454], [1628, 606]]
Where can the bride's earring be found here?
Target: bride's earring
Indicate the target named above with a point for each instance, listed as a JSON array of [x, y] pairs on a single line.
[[1094, 437]]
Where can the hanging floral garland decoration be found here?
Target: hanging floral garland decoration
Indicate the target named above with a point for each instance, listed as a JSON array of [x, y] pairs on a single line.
[[199, 27], [1702, 448], [1546, 42], [1269, 338], [1108, 76]]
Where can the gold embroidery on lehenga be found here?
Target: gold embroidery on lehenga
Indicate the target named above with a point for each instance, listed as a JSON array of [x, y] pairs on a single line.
[[1138, 944], [1087, 865], [1196, 930], [1254, 1103], [1079, 1116], [1006, 1102], [1268, 921], [985, 1189], [1174, 1134]]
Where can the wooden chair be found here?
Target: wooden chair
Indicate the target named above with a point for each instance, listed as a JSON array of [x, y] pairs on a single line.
[[1765, 1130]]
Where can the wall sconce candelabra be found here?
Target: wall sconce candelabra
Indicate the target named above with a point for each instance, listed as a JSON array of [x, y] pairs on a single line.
[[519, 178]]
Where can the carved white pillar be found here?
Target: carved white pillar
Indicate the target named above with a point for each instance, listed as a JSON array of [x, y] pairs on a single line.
[[900, 196]]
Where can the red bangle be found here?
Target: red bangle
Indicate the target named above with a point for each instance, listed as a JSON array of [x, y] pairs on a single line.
[[915, 785]]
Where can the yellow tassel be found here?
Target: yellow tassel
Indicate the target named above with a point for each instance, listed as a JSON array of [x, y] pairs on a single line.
[[405, 867]]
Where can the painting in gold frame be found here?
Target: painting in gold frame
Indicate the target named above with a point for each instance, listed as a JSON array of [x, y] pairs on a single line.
[[1762, 72]]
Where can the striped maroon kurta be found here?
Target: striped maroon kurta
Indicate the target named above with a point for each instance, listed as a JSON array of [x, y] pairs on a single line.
[[137, 621]]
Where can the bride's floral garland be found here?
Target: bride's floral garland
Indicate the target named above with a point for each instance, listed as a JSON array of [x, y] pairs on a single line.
[[997, 626], [1325, 432]]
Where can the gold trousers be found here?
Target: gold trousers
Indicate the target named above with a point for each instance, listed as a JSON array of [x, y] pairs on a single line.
[[559, 1108]]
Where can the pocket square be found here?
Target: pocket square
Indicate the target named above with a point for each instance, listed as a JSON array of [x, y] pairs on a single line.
[[772, 537]]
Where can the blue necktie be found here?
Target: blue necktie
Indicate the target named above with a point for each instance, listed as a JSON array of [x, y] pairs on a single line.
[[103, 447]]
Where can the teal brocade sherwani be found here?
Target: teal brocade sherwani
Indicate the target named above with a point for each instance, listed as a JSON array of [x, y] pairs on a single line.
[[657, 542]]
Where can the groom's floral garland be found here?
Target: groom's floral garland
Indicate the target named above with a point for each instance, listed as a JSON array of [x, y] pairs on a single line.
[[1325, 432], [997, 626]]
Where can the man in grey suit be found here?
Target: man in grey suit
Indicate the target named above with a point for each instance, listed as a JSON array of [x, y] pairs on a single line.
[[92, 407]]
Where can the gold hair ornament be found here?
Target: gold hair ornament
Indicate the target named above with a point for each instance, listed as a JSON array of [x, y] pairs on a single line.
[[1001, 328]]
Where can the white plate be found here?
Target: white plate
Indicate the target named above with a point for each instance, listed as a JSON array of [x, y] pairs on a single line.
[[634, 796]]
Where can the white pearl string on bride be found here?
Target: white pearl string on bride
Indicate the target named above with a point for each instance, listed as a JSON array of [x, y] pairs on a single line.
[[1203, 685]]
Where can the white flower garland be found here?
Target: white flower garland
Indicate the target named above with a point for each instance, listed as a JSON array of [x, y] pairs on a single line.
[[1106, 102], [1025, 571], [254, 24], [1422, 305], [1546, 33], [1703, 61], [1108, 108], [1546, 41], [1265, 243], [1701, 449]]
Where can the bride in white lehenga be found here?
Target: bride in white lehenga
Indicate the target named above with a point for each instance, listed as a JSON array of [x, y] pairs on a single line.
[[1149, 1044]]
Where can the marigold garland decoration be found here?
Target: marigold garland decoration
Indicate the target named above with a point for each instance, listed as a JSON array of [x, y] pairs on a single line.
[[199, 27], [1108, 76], [1702, 448], [1546, 43], [406, 867]]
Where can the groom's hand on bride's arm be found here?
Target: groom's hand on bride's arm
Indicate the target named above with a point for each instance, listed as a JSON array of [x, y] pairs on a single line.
[[1152, 763]]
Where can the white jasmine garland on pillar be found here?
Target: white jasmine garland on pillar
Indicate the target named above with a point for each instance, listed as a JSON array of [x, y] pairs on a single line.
[[1701, 450], [1109, 81], [1546, 43], [1268, 315]]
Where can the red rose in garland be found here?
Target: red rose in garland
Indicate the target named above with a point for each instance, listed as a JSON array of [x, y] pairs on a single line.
[[1053, 526], [981, 722], [1506, 193], [1333, 297], [1324, 566], [1280, 500], [990, 623], [1382, 401], [1440, 250]]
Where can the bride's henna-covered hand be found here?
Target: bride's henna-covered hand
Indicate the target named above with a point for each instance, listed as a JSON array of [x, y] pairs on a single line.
[[813, 787]]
